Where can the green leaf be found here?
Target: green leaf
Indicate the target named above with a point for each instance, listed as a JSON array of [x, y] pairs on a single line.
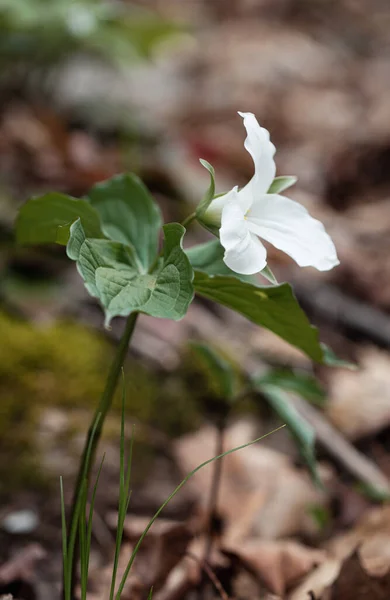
[[47, 219], [372, 493], [219, 370], [111, 273], [300, 382], [273, 307], [301, 430], [208, 258], [332, 360], [280, 184], [129, 215], [321, 515]]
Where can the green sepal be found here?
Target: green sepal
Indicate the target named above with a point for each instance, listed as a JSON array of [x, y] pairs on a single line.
[[207, 200], [209, 195], [282, 183]]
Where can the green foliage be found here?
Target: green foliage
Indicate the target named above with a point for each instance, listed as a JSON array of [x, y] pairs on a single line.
[[220, 372], [208, 258], [300, 429], [128, 215], [299, 382], [372, 493], [332, 360], [320, 515], [127, 275], [43, 32], [274, 308], [47, 219], [124, 272], [111, 273], [282, 183]]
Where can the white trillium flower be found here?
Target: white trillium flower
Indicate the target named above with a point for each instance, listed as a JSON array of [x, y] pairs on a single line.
[[251, 213]]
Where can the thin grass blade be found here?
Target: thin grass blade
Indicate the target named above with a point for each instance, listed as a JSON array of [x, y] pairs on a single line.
[[124, 493], [83, 541], [90, 514], [75, 521], [64, 540], [175, 491]]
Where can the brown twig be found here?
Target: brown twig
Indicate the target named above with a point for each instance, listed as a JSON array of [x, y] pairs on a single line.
[[210, 574], [214, 490]]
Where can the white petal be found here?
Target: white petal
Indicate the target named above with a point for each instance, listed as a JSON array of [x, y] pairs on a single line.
[[213, 214], [288, 226], [262, 151], [233, 224], [244, 253], [248, 258]]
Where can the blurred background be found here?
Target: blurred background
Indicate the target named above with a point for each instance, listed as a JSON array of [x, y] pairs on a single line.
[[91, 88]]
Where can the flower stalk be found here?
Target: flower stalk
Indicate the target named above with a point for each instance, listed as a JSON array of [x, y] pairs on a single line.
[[96, 427]]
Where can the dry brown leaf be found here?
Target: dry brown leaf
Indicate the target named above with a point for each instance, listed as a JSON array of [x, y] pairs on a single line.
[[21, 566], [161, 550], [371, 537], [178, 583], [355, 583], [261, 491], [317, 582], [359, 402], [278, 564]]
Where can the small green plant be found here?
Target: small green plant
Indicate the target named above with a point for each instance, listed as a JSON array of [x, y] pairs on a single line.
[[41, 33], [83, 525], [113, 237]]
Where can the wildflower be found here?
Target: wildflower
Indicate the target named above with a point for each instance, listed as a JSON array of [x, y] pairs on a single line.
[[252, 212]]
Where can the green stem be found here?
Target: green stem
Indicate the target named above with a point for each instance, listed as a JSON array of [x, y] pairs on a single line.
[[96, 427], [189, 219]]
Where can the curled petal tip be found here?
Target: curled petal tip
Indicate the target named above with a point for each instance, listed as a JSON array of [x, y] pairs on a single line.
[[245, 114]]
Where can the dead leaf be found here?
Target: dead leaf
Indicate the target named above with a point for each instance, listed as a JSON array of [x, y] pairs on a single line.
[[261, 492], [359, 402], [17, 575], [161, 550], [317, 582], [355, 583], [278, 564], [371, 537], [21, 566]]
